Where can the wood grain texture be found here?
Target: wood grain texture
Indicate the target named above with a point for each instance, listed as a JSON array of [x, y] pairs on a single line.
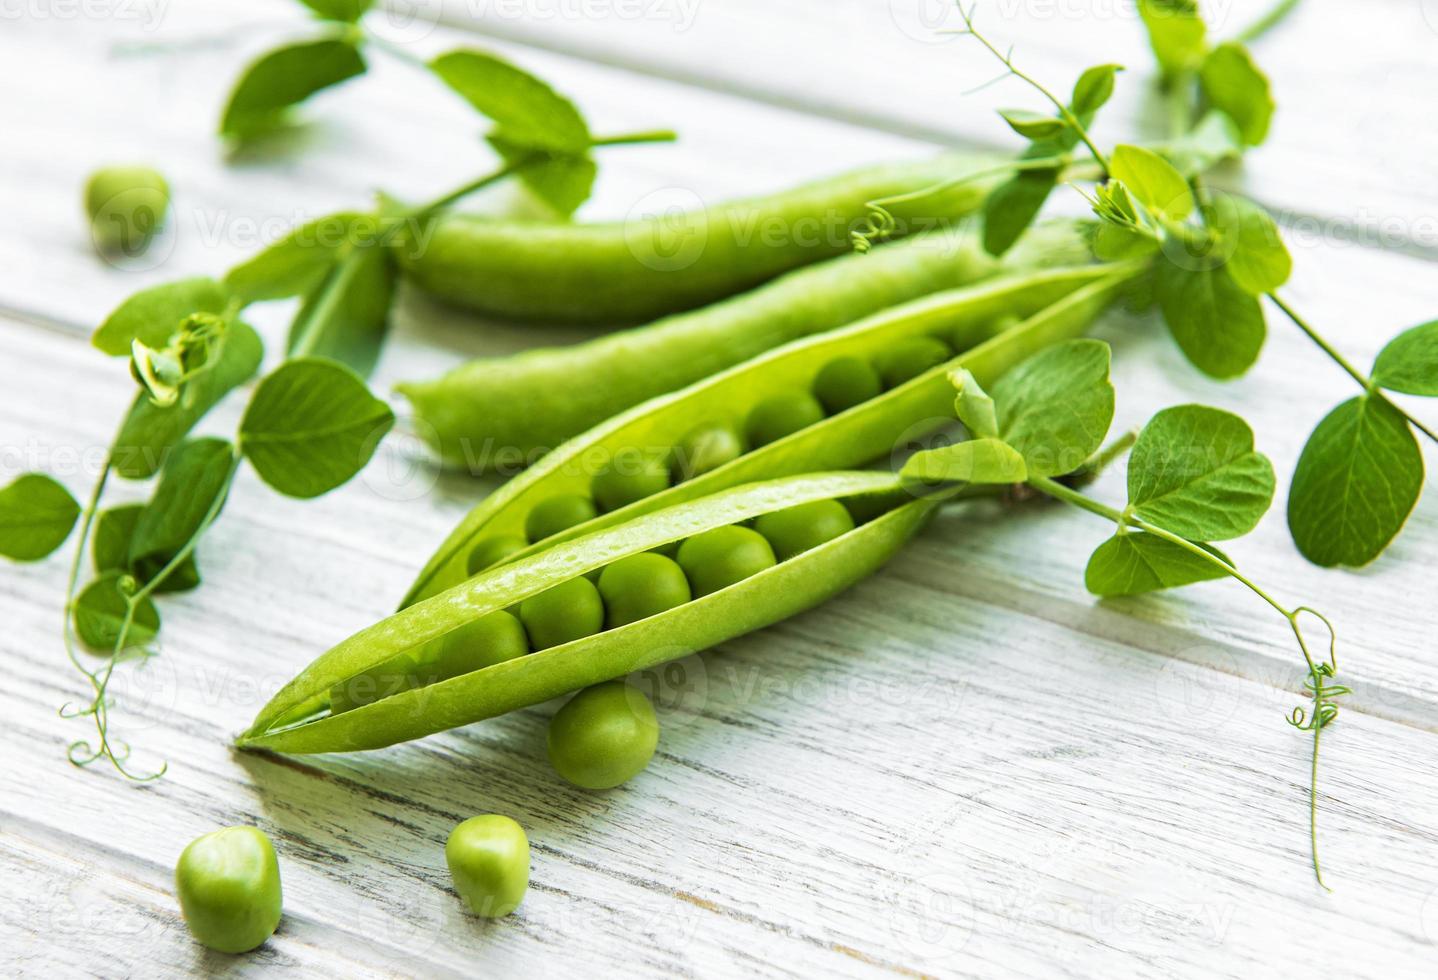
[[962, 767]]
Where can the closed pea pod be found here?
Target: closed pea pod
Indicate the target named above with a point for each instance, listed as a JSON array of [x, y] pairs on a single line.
[[529, 402], [295, 720], [1057, 304], [650, 265]]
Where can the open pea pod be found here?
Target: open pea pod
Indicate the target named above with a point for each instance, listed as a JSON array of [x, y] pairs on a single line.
[[296, 720], [1057, 304]]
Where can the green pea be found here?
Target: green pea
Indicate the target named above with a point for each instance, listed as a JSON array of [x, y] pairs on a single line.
[[910, 358], [558, 514], [603, 736], [492, 551], [705, 448], [632, 475], [127, 207], [795, 530], [845, 382], [641, 586], [780, 415], [488, 858], [228, 883], [569, 611], [723, 556]]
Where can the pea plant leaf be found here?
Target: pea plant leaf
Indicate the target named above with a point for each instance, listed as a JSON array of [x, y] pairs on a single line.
[[1013, 206], [1033, 125], [310, 426], [1135, 562], [283, 78], [984, 461], [1409, 363], [150, 431], [195, 480], [1093, 90], [1153, 181], [152, 315], [36, 516], [1194, 471], [1056, 407], [1357, 481], [530, 118], [99, 615], [110, 549], [1176, 32], [296, 264], [1257, 259], [345, 11], [1235, 85], [346, 316], [1218, 325]]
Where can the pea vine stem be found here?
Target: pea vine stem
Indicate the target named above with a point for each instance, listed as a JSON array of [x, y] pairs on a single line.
[[1365, 382], [1267, 21], [1007, 60], [1324, 707]]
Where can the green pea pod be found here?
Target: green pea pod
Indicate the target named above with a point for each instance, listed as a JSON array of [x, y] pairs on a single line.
[[1059, 304], [296, 721], [679, 258], [503, 412]]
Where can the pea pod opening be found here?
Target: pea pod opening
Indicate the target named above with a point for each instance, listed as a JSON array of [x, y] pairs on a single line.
[[295, 719], [1058, 304], [648, 266]]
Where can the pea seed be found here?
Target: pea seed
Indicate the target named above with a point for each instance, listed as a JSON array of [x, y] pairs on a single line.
[[703, 449], [127, 207], [780, 415], [228, 883], [557, 514], [641, 586], [603, 736], [632, 475], [797, 529], [488, 858], [723, 556], [910, 358], [845, 382], [569, 611], [492, 551]]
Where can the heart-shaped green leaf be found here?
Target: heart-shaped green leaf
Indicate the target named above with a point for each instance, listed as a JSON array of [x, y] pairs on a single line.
[[1258, 260], [1193, 471], [1409, 363], [311, 425], [282, 79], [99, 616], [1033, 125], [152, 316], [195, 479], [1356, 483], [1217, 323], [36, 516], [1136, 562], [1237, 87], [1153, 181], [1056, 407]]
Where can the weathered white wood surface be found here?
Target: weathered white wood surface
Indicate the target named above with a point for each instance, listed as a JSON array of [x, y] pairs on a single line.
[[963, 767]]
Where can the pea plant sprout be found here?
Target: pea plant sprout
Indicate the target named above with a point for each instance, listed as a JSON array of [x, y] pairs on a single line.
[[310, 424]]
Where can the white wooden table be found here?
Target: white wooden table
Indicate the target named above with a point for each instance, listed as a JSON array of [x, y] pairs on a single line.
[[963, 767]]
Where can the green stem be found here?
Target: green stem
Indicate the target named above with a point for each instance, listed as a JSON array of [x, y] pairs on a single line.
[[1365, 382], [1105, 457], [1321, 696], [1064, 112], [1267, 22]]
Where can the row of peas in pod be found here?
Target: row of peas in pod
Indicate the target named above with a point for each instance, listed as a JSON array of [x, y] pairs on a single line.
[[634, 474], [608, 733]]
